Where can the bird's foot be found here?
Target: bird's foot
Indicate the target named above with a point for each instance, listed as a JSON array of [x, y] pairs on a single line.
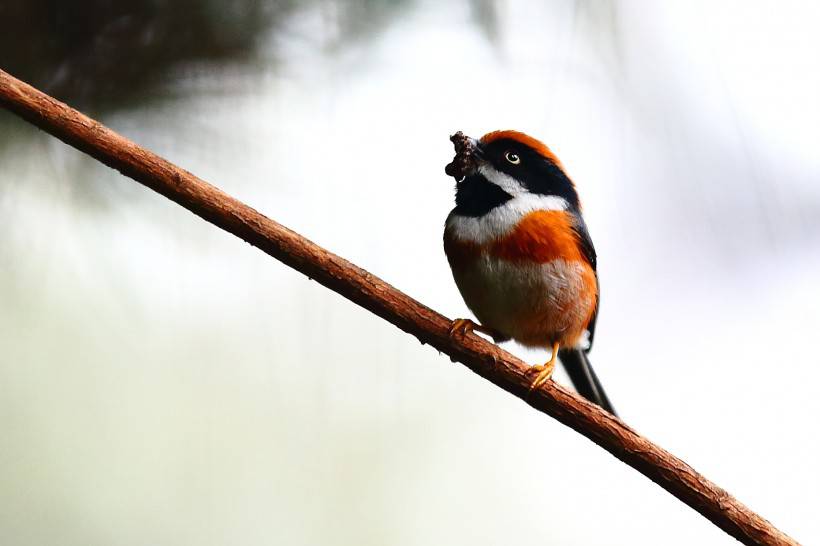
[[464, 326], [545, 370], [544, 375]]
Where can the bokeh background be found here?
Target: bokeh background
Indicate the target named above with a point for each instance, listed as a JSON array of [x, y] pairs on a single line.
[[161, 382]]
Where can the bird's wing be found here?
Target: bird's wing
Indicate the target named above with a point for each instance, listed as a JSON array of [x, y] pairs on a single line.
[[575, 361], [585, 242], [580, 228]]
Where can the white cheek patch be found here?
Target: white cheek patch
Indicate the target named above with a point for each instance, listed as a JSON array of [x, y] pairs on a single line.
[[502, 180], [502, 219]]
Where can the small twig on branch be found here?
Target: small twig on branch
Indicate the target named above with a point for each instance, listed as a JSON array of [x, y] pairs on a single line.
[[375, 295]]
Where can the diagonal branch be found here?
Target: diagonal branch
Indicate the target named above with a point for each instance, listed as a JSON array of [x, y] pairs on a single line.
[[375, 295]]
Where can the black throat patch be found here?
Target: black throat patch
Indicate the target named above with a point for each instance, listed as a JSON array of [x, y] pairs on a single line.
[[476, 196]]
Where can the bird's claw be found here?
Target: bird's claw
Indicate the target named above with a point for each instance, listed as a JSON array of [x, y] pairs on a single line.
[[544, 374], [462, 327]]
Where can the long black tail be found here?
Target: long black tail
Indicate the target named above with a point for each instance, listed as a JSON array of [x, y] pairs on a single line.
[[583, 377]]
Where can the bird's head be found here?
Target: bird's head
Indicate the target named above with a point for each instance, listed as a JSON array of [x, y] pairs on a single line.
[[505, 165]]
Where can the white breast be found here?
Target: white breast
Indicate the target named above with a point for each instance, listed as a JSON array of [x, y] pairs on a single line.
[[527, 302]]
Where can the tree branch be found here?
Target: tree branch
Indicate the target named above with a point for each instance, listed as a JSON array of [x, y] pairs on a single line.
[[375, 295]]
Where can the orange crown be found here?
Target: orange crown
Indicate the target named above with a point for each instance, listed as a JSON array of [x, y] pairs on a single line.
[[524, 139]]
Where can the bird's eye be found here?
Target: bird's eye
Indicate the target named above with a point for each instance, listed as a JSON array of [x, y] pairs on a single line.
[[513, 158]]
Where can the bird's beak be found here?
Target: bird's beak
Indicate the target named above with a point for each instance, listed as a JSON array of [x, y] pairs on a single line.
[[468, 155]]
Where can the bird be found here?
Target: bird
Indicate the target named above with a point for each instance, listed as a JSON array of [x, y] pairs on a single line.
[[521, 255]]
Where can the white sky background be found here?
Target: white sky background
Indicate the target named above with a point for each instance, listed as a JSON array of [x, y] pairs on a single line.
[[164, 383]]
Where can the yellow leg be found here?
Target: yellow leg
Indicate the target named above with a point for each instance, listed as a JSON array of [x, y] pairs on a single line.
[[545, 371], [463, 326]]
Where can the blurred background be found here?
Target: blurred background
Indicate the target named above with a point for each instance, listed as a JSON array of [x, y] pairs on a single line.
[[162, 382]]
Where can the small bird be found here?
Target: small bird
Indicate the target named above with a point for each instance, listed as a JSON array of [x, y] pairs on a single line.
[[521, 254]]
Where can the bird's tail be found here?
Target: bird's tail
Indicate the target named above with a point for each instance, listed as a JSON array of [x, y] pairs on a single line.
[[583, 377]]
